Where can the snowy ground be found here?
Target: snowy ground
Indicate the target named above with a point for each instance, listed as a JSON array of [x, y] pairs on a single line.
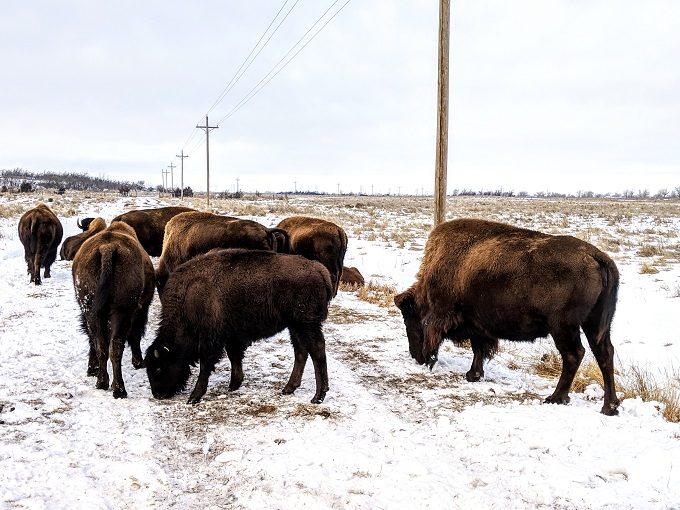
[[390, 434]]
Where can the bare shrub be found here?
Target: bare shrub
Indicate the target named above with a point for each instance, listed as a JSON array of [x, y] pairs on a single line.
[[638, 382], [648, 250], [377, 294], [646, 268]]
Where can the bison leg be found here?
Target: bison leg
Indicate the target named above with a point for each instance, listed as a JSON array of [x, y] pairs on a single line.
[[116, 347], [603, 350], [207, 366], [482, 348], [236, 359], [102, 360], [49, 260], [92, 363], [568, 342], [135, 336], [301, 355], [35, 273], [315, 343]]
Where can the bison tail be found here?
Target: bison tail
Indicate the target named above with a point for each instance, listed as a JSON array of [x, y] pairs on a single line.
[[101, 296], [605, 305], [34, 234], [280, 240]]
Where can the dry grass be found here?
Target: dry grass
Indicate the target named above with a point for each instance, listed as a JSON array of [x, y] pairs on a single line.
[[646, 268], [638, 382], [377, 294], [648, 250], [550, 365]]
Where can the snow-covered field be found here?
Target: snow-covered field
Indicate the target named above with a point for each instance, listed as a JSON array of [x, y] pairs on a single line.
[[390, 434]]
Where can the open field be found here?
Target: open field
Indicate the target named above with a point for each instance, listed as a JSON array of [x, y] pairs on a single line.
[[391, 434]]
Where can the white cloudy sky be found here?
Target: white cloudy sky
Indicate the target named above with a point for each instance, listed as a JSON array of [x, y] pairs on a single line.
[[559, 95]]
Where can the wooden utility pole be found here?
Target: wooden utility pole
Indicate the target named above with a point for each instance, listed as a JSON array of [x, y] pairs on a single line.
[[207, 128], [181, 175], [442, 114], [172, 166], [165, 173]]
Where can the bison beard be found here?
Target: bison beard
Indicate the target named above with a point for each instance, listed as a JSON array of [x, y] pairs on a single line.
[[227, 299], [484, 281]]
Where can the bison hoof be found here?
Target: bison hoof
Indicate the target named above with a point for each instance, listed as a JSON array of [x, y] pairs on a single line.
[[288, 390], [119, 393], [557, 399], [318, 399], [610, 408], [102, 385], [194, 399], [92, 371], [474, 376]]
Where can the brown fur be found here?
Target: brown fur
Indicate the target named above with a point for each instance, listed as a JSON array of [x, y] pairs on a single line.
[[484, 281], [149, 225], [192, 233], [320, 240], [40, 232], [352, 276], [225, 300], [72, 244], [114, 283]]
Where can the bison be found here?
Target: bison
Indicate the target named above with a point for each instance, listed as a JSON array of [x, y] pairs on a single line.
[[225, 300], [352, 276], [114, 283], [149, 225], [320, 240], [72, 244], [192, 233], [484, 281], [40, 232]]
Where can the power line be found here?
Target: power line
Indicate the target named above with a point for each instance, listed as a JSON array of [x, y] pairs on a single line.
[[237, 76], [262, 83]]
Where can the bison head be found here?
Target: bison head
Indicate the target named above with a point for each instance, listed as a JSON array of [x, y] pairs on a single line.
[[85, 224], [167, 372], [414, 329]]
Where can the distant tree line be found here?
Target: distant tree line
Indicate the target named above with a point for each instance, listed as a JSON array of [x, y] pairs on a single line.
[[21, 180]]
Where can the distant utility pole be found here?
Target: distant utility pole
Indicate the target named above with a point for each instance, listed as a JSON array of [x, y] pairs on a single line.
[[338, 189], [181, 175], [162, 182], [207, 128], [237, 181], [295, 186], [172, 166], [165, 179], [442, 114]]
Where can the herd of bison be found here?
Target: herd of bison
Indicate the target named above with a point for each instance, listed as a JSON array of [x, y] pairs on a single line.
[[226, 282]]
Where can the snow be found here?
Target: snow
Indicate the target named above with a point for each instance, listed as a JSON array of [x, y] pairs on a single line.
[[391, 434]]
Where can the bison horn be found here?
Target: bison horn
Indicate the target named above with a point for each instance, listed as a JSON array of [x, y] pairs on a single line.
[[80, 225]]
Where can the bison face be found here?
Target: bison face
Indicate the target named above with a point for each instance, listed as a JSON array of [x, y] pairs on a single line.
[[167, 373], [414, 328]]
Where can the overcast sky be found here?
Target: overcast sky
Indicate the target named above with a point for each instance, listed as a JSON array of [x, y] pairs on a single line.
[[545, 95]]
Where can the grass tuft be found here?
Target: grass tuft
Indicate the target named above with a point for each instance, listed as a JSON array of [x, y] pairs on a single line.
[[638, 382], [377, 294]]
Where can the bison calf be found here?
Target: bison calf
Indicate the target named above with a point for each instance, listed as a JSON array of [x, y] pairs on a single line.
[[225, 300], [114, 282], [72, 244], [192, 233], [484, 281], [40, 232], [320, 240]]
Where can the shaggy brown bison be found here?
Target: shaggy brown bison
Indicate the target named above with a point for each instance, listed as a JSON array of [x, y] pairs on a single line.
[[484, 281], [352, 276], [319, 240], [225, 300], [114, 284], [40, 232], [193, 233], [72, 244], [149, 225]]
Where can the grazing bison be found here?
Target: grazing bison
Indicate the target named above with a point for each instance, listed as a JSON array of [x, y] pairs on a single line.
[[40, 232], [72, 244], [149, 225], [319, 240], [225, 300], [484, 281], [352, 276], [114, 283], [84, 225], [193, 233]]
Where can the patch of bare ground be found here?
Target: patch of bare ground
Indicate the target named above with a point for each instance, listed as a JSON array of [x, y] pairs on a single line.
[[340, 315]]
